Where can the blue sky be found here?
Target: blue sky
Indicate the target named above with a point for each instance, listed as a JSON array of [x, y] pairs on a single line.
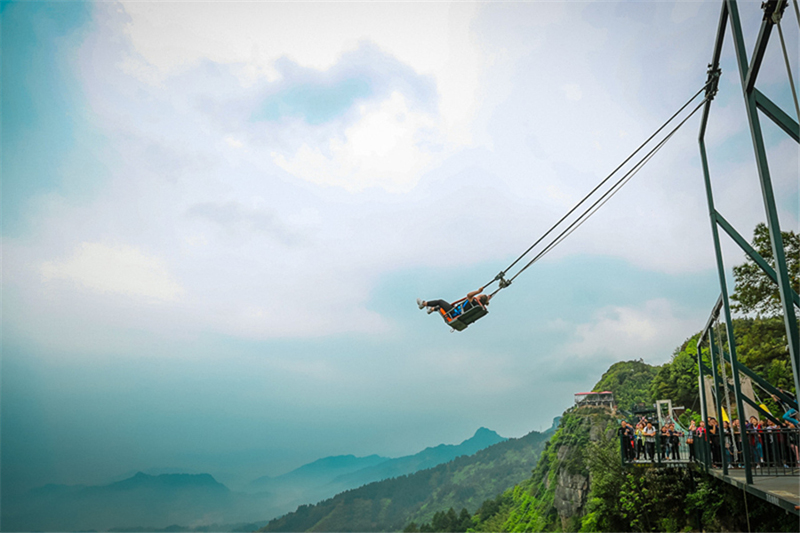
[[217, 216]]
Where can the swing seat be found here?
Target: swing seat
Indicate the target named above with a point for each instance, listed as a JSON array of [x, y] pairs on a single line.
[[459, 320]]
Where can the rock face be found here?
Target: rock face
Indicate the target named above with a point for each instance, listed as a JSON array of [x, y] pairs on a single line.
[[570, 494], [572, 477]]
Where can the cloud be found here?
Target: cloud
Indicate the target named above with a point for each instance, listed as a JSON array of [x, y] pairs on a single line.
[[361, 75], [649, 331], [572, 91], [232, 216], [115, 269], [390, 147], [283, 225], [315, 103], [433, 39]]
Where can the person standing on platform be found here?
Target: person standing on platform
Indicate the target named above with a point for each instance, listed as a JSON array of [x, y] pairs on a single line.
[[650, 441], [690, 440]]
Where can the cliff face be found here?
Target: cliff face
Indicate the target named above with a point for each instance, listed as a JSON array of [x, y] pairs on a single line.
[[570, 496], [555, 497], [572, 476]]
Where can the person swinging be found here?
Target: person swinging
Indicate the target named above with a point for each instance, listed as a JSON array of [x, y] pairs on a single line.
[[460, 313]]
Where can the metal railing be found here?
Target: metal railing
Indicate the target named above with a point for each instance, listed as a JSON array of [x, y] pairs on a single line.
[[775, 452]]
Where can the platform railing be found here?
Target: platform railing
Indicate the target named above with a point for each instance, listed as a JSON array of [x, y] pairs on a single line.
[[775, 452]]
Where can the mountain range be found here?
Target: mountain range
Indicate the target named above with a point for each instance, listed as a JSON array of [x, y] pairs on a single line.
[[328, 476], [180, 501], [390, 504], [141, 500]]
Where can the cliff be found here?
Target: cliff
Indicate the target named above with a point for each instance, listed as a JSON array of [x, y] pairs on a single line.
[[556, 495]]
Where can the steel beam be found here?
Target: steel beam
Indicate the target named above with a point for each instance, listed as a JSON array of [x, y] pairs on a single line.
[[726, 308], [720, 433], [764, 384], [778, 115], [703, 397], [758, 55], [721, 25], [768, 196], [744, 245], [712, 318]]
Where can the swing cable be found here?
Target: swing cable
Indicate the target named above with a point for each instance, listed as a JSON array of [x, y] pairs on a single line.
[[501, 276], [776, 18], [599, 202]]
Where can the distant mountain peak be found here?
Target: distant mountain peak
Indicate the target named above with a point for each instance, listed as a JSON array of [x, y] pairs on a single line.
[[140, 479], [486, 432], [483, 437]]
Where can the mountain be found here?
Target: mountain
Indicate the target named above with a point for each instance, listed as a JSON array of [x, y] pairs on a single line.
[[180, 501], [142, 481], [427, 458], [388, 505], [328, 476], [139, 502], [320, 472], [155, 471]]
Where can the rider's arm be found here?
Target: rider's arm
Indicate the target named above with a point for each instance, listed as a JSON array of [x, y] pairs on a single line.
[[473, 294]]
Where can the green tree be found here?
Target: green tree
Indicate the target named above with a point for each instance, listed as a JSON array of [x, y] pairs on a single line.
[[607, 476], [629, 381], [754, 291], [464, 520], [677, 380]]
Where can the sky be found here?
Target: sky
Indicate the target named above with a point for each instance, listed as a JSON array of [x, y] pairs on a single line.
[[216, 217]]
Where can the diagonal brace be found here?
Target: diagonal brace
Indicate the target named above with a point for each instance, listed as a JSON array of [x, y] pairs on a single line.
[[744, 245], [778, 116]]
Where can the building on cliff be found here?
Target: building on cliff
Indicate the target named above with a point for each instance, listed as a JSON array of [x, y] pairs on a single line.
[[595, 399]]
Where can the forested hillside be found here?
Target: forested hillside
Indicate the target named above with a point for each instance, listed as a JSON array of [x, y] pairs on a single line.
[[630, 382], [580, 484], [389, 505]]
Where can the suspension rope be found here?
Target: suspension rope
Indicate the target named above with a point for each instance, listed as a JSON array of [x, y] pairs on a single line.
[[500, 276], [788, 68], [591, 210], [796, 12]]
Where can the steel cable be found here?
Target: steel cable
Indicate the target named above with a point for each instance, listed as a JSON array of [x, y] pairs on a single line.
[[788, 70], [599, 185], [605, 197]]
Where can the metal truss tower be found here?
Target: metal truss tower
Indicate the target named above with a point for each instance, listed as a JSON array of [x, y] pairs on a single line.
[[755, 101]]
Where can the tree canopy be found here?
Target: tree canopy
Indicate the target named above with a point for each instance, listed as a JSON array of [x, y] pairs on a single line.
[[754, 291], [629, 381]]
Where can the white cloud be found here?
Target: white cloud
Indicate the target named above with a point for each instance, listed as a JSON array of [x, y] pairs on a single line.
[[648, 331], [388, 147], [433, 38], [572, 91], [233, 142], [684, 10], [115, 269]]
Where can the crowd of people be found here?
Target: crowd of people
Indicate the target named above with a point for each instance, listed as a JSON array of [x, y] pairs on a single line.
[[772, 442], [640, 442]]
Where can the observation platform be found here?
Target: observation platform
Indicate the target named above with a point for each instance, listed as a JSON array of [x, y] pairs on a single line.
[[776, 480], [780, 490], [783, 491]]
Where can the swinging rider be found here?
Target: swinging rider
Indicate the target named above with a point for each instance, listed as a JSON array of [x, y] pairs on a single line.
[[473, 299]]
